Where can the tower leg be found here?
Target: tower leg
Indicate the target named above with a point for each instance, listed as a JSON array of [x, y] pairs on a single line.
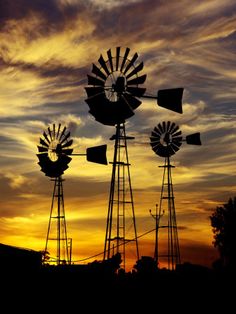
[[57, 231], [172, 255], [121, 215]]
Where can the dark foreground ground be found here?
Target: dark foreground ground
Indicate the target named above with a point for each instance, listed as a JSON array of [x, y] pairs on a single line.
[[97, 289]]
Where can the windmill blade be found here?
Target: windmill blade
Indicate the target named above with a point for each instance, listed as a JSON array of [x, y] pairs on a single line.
[[168, 126], [43, 156], [176, 134], [117, 57], [98, 72], [136, 91], [62, 133], [175, 129], [42, 142], [132, 102], [172, 126], [46, 137], [54, 131], [44, 161], [92, 80], [97, 154], [155, 140], [108, 113], [160, 128], [50, 133], [124, 108], [67, 151], [110, 59], [93, 91], [162, 151], [164, 126], [175, 147], [156, 135], [138, 80], [131, 63], [58, 131], [193, 139], [42, 149], [171, 149], [97, 104], [65, 138], [125, 58], [67, 144], [157, 131], [177, 141], [135, 70], [155, 146], [103, 65], [65, 159], [171, 99]]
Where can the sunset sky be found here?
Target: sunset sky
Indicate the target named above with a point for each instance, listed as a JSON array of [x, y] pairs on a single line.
[[47, 48]]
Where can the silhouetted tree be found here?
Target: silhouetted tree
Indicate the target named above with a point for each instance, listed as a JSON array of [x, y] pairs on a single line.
[[146, 265], [223, 221]]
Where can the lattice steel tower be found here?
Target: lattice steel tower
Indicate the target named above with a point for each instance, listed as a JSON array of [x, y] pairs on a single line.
[[166, 139], [121, 215]]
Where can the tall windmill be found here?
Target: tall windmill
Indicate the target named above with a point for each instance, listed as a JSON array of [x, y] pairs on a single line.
[[54, 151], [114, 91], [166, 139]]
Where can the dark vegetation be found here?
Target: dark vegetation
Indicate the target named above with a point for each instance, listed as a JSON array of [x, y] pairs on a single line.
[[99, 286], [223, 221]]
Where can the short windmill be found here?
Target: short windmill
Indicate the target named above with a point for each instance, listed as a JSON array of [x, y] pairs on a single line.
[[166, 139], [54, 154], [114, 91]]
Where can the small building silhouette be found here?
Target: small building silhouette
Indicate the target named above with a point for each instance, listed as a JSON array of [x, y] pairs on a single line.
[[16, 258]]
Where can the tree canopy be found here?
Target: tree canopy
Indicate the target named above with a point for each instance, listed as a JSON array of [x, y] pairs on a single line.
[[223, 222]]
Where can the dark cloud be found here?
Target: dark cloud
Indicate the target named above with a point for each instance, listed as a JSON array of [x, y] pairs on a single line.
[[49, 10], [51, 69]]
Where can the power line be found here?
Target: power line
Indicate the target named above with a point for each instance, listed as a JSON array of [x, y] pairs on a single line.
[[125, 242]]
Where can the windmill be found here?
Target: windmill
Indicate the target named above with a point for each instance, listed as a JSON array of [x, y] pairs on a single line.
[[114, 91], [54, 151], [166, 139]]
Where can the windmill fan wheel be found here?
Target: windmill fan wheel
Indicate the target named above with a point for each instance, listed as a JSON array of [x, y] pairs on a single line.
[[114, 87], [166, 139], [54, 150]]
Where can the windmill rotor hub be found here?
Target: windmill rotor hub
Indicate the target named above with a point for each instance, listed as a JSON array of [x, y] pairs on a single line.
[[119, 86], [53, 150], [115, 85], [166, 139]]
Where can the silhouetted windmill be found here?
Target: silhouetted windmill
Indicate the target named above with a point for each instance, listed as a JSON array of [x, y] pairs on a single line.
[[54, 156], [166, 139], [113, 94]]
